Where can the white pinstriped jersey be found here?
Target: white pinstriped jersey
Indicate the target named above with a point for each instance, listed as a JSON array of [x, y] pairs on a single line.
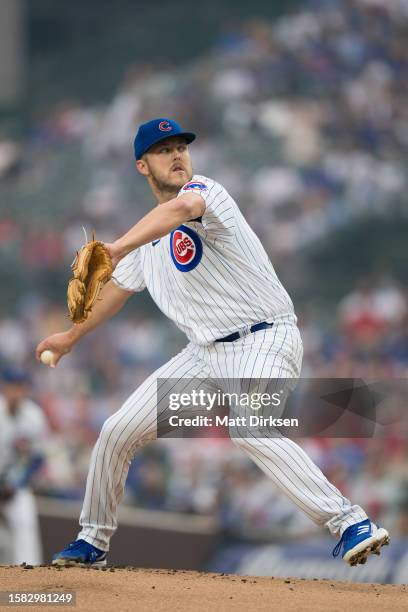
[[211, 276]]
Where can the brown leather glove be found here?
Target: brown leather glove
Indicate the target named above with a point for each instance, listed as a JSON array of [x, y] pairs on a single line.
[[92, 268]]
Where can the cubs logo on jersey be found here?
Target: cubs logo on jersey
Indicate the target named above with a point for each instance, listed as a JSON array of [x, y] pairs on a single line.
[[195, 185], [186, 248]]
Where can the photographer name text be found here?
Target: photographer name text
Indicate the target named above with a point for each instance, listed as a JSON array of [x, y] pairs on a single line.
[[228, 421]]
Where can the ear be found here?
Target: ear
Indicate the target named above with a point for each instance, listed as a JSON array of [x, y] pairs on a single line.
[[141, 167]]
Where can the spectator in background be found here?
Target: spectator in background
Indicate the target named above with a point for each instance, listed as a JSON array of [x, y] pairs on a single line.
[[23, 429], [369, 312]]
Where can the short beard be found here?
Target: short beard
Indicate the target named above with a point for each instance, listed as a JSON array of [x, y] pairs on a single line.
[[164, 187], [167, 188]]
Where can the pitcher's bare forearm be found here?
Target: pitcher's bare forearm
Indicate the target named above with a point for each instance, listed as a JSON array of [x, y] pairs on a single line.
[[111, 299], [159, 222], [61, 343]]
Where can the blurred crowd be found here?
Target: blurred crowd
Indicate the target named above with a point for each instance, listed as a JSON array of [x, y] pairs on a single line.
[[305, 121]]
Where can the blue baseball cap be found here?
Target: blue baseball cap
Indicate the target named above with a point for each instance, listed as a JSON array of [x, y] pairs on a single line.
[[156, 130], [14, 375]]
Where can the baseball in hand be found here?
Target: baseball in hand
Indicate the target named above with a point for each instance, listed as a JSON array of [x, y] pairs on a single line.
[[47, 357]]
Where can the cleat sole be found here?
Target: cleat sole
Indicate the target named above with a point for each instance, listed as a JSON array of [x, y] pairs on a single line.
[[362, 555], [71, 563]]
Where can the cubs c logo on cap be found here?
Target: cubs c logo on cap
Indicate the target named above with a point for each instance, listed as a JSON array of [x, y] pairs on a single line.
[[164, 126], [186, 248]]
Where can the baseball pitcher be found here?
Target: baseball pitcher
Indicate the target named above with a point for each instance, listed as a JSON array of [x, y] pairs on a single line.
[[207, 271]]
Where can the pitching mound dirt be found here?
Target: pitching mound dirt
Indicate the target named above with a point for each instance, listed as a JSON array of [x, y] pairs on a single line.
[[122, 590]]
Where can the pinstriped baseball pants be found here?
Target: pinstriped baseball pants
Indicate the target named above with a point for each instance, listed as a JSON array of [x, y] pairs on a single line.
[[272, 353]]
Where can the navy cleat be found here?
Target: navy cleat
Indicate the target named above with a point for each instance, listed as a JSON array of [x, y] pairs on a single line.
[[361, 540], [80, 554]]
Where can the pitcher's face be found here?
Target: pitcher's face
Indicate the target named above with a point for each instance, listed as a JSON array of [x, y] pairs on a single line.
[[167, 164]]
